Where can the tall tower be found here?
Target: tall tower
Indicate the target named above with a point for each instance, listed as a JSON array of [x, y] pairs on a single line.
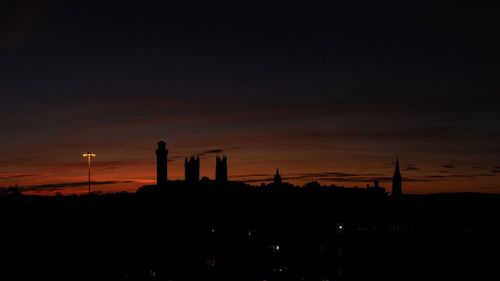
[[192, 169], [161, 164], [221, 169], [277, 178], [397, 180]]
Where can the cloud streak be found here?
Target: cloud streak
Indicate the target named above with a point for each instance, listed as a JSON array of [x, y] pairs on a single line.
[[68, 185], [355, 178], [18, 176], [213, 151]]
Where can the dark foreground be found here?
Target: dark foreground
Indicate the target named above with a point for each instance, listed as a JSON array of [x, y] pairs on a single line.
[[188, 235]]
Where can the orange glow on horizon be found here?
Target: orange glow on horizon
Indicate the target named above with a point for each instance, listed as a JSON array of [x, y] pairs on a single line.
[[130, 177], [254, 165]]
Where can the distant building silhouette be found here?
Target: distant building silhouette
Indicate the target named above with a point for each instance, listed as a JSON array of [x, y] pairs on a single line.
[[375, 188], [161, 164], [221, 168], [205, 181], [277, 178], [192, 169], [397, 180]]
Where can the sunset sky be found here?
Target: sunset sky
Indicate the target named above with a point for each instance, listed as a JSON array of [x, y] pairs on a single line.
[[327, 92]]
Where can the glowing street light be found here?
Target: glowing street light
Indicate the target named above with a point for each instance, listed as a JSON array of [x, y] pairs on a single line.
[[89, 155]]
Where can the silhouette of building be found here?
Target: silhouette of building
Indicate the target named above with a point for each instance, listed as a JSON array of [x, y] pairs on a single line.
[[221, 168], [192, 169], [161, 164], [376, 185], [375, 188], [277, 178], [397, 180]]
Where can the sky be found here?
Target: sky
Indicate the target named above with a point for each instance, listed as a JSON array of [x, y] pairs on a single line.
[[330, 91]]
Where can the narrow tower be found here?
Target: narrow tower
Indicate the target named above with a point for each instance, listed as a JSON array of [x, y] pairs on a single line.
[[277, 178], [192, 169], [161, 164], [221, 169], [397, 180]]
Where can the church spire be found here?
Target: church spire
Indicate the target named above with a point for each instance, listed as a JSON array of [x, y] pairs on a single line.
[[397, 180], [396, 170], [277, 177]]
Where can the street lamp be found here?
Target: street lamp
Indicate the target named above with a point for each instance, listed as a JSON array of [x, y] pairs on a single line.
[[89, 155]]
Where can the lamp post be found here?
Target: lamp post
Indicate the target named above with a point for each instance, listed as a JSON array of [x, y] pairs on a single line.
[[89, 155]]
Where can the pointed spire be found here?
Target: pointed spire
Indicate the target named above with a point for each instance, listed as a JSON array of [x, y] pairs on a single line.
[[397, 180], [277, 177], [396, 169]]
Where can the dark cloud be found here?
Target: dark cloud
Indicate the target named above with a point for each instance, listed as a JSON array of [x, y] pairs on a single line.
[[204, 153], [323, 176], [219, 150], [449, 166], [66, 185], [353, 179], [250, 175], [470, 175], [338, 179], [370, 177], [412, 167], [446, 176], [17, 176], [438, 176], [490, 187], [212, 151], [173, 158], [343, 177], [99, 164], [269, 179]]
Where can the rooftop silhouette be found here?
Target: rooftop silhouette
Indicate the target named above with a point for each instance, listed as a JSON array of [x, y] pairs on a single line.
[[192, 177]]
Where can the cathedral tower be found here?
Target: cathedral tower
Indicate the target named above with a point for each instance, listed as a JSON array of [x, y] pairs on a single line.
[[221, 169], [192, 169]]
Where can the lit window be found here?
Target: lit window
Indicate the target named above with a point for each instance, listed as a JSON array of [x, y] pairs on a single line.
[[275, 248], [339, 228], [211, 263], [280, 268], [211, 229]]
